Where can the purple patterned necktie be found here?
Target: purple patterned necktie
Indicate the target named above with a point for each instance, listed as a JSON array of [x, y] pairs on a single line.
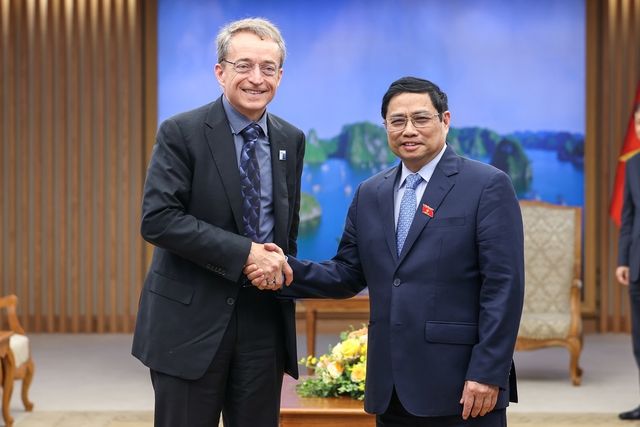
[[250, 181], [407, 209]]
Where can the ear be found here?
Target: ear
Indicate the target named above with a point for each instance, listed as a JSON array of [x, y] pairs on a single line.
[[446, 119], [219, 70]]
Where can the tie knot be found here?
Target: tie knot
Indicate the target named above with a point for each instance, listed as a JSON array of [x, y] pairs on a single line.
[[251, 132], [413, 180]]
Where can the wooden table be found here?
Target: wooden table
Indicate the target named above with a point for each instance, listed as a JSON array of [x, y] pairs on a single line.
[[312, 306], [296, 411], [6, 375]]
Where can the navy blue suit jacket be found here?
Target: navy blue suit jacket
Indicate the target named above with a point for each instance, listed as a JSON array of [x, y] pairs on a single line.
[[448, 308], [629, 242], [192, 213]]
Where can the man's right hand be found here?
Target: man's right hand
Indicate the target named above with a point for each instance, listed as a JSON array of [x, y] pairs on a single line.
[[267, 264], [622, 274]]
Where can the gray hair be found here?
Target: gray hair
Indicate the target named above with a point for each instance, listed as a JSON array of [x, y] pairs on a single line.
[[258, 26]]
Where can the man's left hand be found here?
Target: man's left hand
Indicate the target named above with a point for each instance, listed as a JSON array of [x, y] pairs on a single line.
[[478, 399]]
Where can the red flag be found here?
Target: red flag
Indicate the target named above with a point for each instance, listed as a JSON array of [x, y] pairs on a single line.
[[427, 210], [631, 146]]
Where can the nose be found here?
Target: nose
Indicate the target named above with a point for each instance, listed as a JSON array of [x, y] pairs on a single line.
[[255, 75], [410, 128]]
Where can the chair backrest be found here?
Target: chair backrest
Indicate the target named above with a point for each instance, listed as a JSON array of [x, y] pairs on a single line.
[[552, 251]]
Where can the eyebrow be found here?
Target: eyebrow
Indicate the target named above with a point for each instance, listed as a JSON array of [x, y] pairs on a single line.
[[413, 113], [261, 63]]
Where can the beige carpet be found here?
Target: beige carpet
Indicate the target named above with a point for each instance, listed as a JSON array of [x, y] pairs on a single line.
[[87, 419], [145, 419], [91, 380], [564, 420]]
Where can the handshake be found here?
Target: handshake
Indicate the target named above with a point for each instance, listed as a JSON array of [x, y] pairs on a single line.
[[267, 267]]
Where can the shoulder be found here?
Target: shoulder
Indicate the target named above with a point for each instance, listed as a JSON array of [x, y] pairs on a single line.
[[196, 117], [463, 168], [379, 178], [193, 113], [478, 168], [634, 161], [480, 178], [280, 125]]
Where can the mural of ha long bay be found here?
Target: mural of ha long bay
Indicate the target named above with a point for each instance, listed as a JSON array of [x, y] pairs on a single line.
[[542, 165]]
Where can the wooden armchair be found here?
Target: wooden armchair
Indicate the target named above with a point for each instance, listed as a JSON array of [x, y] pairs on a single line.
[[552, 250], [19, 354]]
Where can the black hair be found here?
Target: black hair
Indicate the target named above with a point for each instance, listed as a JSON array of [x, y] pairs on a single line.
[[415, 85]]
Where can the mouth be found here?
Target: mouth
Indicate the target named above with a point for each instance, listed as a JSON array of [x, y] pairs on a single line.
[[253, 92]]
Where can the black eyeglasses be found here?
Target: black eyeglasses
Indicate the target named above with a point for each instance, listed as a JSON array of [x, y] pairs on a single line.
[[268, 70]]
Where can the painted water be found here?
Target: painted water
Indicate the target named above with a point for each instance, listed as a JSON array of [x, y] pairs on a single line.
[[333, 184]]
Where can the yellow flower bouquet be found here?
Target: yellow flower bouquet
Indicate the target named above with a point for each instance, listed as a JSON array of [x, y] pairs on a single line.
[[341, 372]]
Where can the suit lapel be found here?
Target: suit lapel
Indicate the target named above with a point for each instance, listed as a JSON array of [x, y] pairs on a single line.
[[442, 181], [223, 151], [386, 202], [278, 144]]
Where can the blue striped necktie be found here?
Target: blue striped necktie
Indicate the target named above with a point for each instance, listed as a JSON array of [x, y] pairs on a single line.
[[407, 209]]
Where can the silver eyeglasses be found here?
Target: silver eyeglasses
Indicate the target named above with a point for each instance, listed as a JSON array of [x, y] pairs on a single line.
[[268, 70], [422, 120]]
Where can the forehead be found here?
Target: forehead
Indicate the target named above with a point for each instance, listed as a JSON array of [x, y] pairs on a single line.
[[409, 102], [249, 46]]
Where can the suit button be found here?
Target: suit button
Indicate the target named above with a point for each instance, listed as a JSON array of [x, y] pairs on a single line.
[[223, 272], [209, 266], [230, 301], [397, 282]]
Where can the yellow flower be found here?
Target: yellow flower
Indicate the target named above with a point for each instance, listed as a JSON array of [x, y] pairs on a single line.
[[335, 369], [342, 371], [310, 361], [359, 372], [351, 348]]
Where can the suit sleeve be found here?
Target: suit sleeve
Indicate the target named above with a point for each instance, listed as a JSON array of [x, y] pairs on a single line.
[[295, 222], [166, 222], [626, 219], [339, 278], [500, 241]]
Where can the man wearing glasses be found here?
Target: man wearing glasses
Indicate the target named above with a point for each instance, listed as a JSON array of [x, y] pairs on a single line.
[[438, 240], [223, 179]]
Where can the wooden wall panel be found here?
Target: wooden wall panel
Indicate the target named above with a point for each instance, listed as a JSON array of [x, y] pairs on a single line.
[[72, 159], [613, 71], [77, 123]]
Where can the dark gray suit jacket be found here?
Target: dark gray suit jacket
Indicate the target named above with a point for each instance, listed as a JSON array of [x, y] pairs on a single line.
[[192, 213], [629, 242]]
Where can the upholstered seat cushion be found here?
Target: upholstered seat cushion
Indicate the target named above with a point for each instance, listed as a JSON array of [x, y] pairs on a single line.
[[19, 345], [544, 326]]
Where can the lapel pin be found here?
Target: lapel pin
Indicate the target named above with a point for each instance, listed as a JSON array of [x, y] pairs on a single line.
[[282, 155], [427, 210]]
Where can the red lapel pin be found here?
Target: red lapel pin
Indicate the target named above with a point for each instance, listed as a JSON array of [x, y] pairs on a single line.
[[427, 210]]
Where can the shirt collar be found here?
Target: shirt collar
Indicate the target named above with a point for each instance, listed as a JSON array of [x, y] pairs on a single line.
[[238, 121], [427, 170]]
